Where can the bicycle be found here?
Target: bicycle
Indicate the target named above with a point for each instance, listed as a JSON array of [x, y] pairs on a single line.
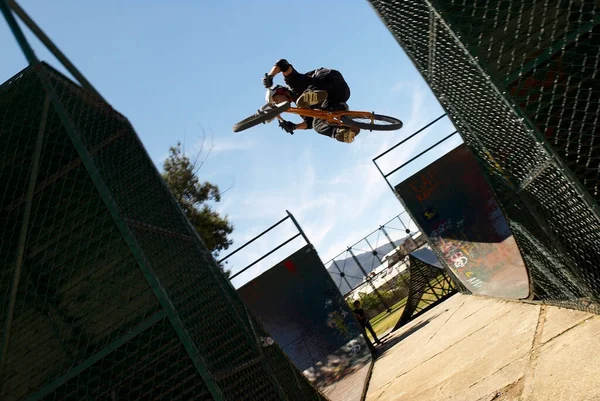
[[338, 118]]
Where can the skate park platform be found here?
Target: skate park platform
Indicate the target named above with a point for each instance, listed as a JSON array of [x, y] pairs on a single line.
[[480, 349]]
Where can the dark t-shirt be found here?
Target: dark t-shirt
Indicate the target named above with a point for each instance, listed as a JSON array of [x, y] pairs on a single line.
[[360, 315], [299, 82]]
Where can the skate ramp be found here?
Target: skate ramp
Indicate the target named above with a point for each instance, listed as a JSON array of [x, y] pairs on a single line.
[[453, 204], [303, 311]]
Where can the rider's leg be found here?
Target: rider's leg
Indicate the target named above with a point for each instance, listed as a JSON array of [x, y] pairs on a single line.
[[342, 134], [339, 93], [338, 90], [323, 128], [328, 90]]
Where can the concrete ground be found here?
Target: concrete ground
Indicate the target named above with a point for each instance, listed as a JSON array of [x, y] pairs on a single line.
[[350, 388], [478, 349]]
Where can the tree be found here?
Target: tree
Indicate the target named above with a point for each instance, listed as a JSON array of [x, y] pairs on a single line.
[[181, 175]]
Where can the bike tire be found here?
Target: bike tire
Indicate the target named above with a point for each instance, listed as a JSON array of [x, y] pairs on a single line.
[[261, 117], [393, 123]]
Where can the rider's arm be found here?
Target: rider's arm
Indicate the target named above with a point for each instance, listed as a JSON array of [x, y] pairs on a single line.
[[281, 66], [307, 123], [290, 127]]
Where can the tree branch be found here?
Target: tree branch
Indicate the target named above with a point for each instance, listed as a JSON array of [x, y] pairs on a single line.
[[231, 186], [212, 146]]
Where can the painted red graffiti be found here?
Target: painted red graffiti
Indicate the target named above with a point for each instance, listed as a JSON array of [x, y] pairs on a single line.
[[290, 267], [424, 186]]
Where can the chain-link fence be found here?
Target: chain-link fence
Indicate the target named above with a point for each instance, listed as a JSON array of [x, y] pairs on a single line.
[[519, 80], [375, 269], [107, 291]]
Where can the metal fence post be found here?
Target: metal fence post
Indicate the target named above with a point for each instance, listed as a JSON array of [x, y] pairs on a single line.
[[396, 250], [369, 281]]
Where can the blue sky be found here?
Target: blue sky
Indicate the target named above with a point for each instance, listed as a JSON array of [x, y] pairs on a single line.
[[183, 69]]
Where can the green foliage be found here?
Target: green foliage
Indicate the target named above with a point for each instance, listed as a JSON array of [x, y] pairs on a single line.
[[181, 175], [371, 303]]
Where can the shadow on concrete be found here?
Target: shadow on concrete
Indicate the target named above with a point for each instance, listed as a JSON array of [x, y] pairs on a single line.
[[387, 344]]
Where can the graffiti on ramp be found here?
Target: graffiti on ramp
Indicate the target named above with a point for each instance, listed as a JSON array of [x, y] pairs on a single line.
[[452, 202]]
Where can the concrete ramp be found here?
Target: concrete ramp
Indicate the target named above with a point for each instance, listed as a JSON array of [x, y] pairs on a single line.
[[479, 349]]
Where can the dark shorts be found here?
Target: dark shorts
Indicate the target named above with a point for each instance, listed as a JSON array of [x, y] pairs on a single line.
[[338, 92]]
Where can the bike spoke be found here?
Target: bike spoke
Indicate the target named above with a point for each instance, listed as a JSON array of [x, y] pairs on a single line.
[[370, 120]]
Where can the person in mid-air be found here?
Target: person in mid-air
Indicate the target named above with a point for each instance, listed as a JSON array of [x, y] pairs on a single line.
[[322, 88]]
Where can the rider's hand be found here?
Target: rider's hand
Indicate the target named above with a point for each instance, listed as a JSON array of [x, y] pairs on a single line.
[[287, 126], [267, 81]]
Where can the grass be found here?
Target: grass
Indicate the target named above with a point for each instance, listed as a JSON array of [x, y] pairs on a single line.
[[385, 321]]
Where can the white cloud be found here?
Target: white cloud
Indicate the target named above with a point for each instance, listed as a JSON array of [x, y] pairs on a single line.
[[222, 145]]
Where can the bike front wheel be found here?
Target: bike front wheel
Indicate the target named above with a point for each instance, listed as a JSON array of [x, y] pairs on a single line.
[[261, 117], [373, 122]]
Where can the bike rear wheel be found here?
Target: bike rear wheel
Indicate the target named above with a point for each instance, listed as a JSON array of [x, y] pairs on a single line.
[[261, 117], [374, 122]]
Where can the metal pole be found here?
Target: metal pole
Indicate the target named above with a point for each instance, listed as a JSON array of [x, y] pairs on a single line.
[[298, 227], [52, 47], [369, 281], [397, 252], [253, 239], [264, 256], [16, 30], [420, 154], [23, 235], [437, 279], [387, 282], [410, 136], [383, 175], [431, 287], [448, 281]]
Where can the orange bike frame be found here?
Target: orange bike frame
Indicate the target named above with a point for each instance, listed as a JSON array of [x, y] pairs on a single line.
[[332, 117]]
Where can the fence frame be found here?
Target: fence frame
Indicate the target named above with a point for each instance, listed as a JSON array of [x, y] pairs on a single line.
[[367, 279], [284, 243]]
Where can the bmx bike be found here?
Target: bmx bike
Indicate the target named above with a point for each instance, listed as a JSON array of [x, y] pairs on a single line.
[[356, 119]]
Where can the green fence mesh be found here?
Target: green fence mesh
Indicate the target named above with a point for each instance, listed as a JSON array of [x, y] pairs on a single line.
[[107, 292], [519, 79]]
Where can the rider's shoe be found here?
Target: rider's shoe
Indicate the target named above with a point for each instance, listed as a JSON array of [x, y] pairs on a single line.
[[311, 98], [346, 134]]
